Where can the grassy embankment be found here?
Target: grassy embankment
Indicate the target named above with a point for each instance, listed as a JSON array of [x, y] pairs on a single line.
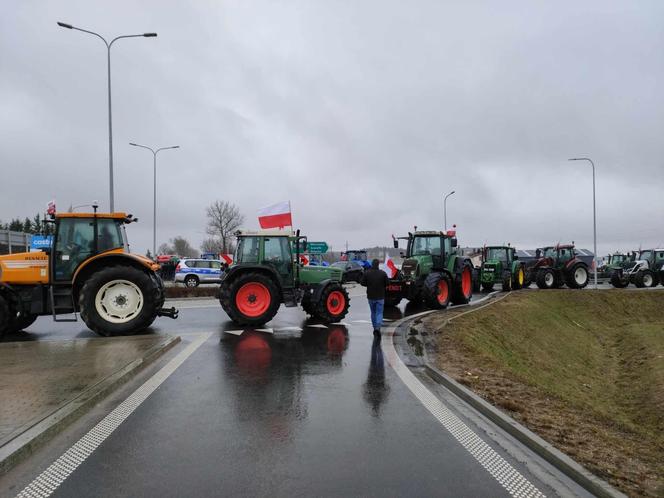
[[585, 370]]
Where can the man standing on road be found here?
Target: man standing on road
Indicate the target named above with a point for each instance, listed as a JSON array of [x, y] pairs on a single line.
[[375, 280]]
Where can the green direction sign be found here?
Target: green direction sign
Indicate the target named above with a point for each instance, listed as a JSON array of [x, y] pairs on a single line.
[[317, 247]]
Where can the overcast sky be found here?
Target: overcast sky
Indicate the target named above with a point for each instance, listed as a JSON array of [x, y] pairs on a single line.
[[361, 113]]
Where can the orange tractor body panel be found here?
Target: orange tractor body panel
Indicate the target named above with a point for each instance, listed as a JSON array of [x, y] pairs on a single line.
[[23, 268]]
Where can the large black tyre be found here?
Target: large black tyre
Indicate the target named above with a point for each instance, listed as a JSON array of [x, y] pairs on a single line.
[[250, 299], [333, 303], [4, 316], [645, 278], [21, 322], [546, 279], [392, 301], [119, 300], [618, 280], [308, 305], [577, 277], [507, 282], [437, 291], [487, 286], [462, 288]]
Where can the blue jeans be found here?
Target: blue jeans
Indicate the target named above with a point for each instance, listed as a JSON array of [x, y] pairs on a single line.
[[376, 306]]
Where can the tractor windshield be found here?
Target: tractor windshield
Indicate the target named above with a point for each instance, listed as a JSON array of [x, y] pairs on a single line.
[[549, 252], [645, 255], [497, 253], [425, 246], [247, 250], [617, 259]]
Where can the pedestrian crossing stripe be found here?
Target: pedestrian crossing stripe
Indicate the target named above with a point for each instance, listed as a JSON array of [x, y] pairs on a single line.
[[234, 332], [317, 326], [267, 331]]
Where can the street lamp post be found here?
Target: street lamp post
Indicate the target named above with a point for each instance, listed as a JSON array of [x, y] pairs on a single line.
[[154, 204], [594, 214], [445, 209], [110, 119]]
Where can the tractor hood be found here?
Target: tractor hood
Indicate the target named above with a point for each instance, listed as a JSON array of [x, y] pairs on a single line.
[[416, 265], [24, 268], [316, 274]]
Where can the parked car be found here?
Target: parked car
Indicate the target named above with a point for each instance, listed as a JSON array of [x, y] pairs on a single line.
[[353, 270], [193, 272]]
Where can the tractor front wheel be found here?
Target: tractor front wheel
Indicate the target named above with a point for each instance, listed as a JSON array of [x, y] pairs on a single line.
[[333, 303], [546, 279], [4, 316], [119, 300], [462, 289], [507, 282], [645, 278], [437, 291], [392, 301], [487, 287], [22, 322], [618, 280], [250, 299], [519, 278]]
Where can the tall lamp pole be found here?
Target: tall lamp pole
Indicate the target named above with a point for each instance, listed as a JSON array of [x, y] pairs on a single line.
[[445, 208], [154, 216], [594, 214], [110, 119]]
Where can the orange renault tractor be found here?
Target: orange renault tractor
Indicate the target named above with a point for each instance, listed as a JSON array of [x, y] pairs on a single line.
[[88, 270]]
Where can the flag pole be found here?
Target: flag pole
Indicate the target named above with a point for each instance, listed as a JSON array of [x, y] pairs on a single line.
[[291, 215]]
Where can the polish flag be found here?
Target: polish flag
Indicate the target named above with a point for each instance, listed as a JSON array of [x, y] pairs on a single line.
[[227, 258], [304, 259], [275, 216], [390, 267]]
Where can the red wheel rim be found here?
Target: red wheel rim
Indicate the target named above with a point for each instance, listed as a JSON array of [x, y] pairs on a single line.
[[253, 299], [336, 302], [466, 282], [443, 292]]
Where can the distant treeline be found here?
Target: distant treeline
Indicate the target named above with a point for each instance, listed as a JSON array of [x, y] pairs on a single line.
[[33, 226]]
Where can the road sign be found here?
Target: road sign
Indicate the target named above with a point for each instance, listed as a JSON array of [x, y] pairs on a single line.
[[317, 247], [41, 241]]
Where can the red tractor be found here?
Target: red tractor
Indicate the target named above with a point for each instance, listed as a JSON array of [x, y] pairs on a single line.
[[560, 265]]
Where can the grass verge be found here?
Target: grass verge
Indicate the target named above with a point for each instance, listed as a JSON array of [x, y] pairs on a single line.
[[584, 370]]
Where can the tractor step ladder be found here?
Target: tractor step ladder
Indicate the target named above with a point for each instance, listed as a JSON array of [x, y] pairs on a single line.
[[62, 300]]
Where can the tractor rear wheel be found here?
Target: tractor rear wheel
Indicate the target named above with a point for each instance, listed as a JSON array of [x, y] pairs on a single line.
[[462, 289], [546, 279], [577, 277], [437, 291], [22, 322], [333, 303], [119, 300], [4, 316], [519, 279], [645, 278], [250, 299], [618, 280]]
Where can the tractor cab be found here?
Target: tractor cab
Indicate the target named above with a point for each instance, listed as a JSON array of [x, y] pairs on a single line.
[[426, 250], [357, 255]]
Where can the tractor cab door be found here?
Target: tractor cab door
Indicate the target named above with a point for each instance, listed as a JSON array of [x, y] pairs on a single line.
[[277, 254], [75, 242], [564, 256]]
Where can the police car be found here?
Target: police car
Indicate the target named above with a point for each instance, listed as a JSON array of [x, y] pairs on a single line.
[[198, 271]]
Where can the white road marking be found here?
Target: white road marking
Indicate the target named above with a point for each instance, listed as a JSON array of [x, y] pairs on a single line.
[[267, 331], [317, 326], [48, 481], [362, 321], [234, 332], [508, 477], [288, 329], [341, 323]]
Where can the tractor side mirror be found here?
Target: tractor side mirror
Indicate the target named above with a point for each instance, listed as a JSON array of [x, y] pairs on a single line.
[[516, 257], [454, 242], [402, 254], [396, 243]]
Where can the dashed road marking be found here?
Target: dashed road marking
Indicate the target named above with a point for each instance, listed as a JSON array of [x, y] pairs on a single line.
[[317, 326], [508, 477], [234, 332], [47, 482], [267, 331], [288, 329]]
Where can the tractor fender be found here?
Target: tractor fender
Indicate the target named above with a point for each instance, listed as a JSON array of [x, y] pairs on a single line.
[[318, 290], [234, 272], [106, 259]]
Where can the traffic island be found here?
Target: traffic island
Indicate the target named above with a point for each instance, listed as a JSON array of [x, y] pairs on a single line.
[[583, 370], [47, 385]]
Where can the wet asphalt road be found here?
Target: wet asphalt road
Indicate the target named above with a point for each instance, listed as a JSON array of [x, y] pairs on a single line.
[[316, 412]]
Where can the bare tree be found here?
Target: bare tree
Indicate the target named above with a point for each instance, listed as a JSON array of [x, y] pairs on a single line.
[[224, 218], [182, 247], [165, 249], [211, 245]]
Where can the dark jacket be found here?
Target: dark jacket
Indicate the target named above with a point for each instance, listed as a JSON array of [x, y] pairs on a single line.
[[375, 281]]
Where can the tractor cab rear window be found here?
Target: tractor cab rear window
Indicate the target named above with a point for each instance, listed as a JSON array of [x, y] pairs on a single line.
[[247, 250], [425, 246], [497, 253]]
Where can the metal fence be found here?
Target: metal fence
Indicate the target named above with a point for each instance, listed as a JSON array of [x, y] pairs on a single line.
[[11, 242]]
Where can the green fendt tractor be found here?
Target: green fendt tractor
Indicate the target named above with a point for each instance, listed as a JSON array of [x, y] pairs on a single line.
[[267, 272], [432, 272], [645, 270], [500, 264]]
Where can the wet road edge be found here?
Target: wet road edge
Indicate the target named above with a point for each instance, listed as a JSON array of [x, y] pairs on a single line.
[[575, 471], [24, 445]]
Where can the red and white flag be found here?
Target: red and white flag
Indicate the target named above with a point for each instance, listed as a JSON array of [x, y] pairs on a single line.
[[390, 267], [275, 216]]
